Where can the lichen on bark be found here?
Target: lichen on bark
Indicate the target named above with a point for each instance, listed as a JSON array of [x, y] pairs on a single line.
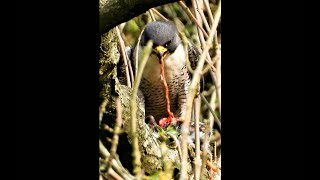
[[111, 89]]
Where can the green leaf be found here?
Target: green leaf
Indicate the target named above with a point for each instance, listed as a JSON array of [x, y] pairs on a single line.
[[163, 138], [131, 27], [171, 127], [155, 176], [159, 129], [172, 130]]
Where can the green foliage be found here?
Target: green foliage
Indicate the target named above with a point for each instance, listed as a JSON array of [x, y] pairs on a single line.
[[172, 130], [155, 176]]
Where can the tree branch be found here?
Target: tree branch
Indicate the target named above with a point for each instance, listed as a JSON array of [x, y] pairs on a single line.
[[149, 145], [136, 152], [191, 95], [115, 12]]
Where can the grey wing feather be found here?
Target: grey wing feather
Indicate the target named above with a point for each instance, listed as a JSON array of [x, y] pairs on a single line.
[[193, 54]]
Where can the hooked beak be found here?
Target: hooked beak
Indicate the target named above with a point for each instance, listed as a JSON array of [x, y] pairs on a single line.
[[160, 51]]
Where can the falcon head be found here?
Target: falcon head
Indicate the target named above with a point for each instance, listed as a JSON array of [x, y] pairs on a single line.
[[164, 35]]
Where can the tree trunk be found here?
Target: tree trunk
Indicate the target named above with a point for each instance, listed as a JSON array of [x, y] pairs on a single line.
[[115, 12]]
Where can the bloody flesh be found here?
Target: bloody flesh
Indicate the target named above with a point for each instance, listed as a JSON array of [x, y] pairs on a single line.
[[166, 121]]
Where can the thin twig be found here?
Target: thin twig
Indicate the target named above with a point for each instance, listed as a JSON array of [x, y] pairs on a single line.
[[114, 175], [215, 151], [130, 69], [213, 106], [185, 46], [200, 33], [218, 81], [112, 170], [216, 136], [129, 63], [151, 15], [190, 98], [137, 53], [214, 79], [207, 136], [214, 72], [116, 131], [124, 57], [218, 72], [219, 160], [184, 14], [211, 110], [116, 166], [205, 148], [185, 7], [173, 13], [216, 43], [201, 37], [123, 36], [214, 168], [108, 128], [159, 14], [102, 108], [209, 91], [104, 176], [191, 177], [136, 153], [123, 45], [204, 20], [206, 25], [211, 171], [197, 161], [209, 12], [211, 127], [214, 59], [104, 152], [210, 65]]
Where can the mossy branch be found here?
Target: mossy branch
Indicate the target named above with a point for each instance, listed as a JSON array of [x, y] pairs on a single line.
[[115, 12], [133, 133]]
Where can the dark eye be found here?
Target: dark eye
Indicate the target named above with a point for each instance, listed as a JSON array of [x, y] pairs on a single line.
[[167, 44]]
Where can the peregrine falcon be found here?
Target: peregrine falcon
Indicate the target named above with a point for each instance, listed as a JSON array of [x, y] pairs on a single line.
[[167, 43]]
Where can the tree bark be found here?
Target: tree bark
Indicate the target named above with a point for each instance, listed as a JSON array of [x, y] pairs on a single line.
[[149, 145], [115, 12]]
